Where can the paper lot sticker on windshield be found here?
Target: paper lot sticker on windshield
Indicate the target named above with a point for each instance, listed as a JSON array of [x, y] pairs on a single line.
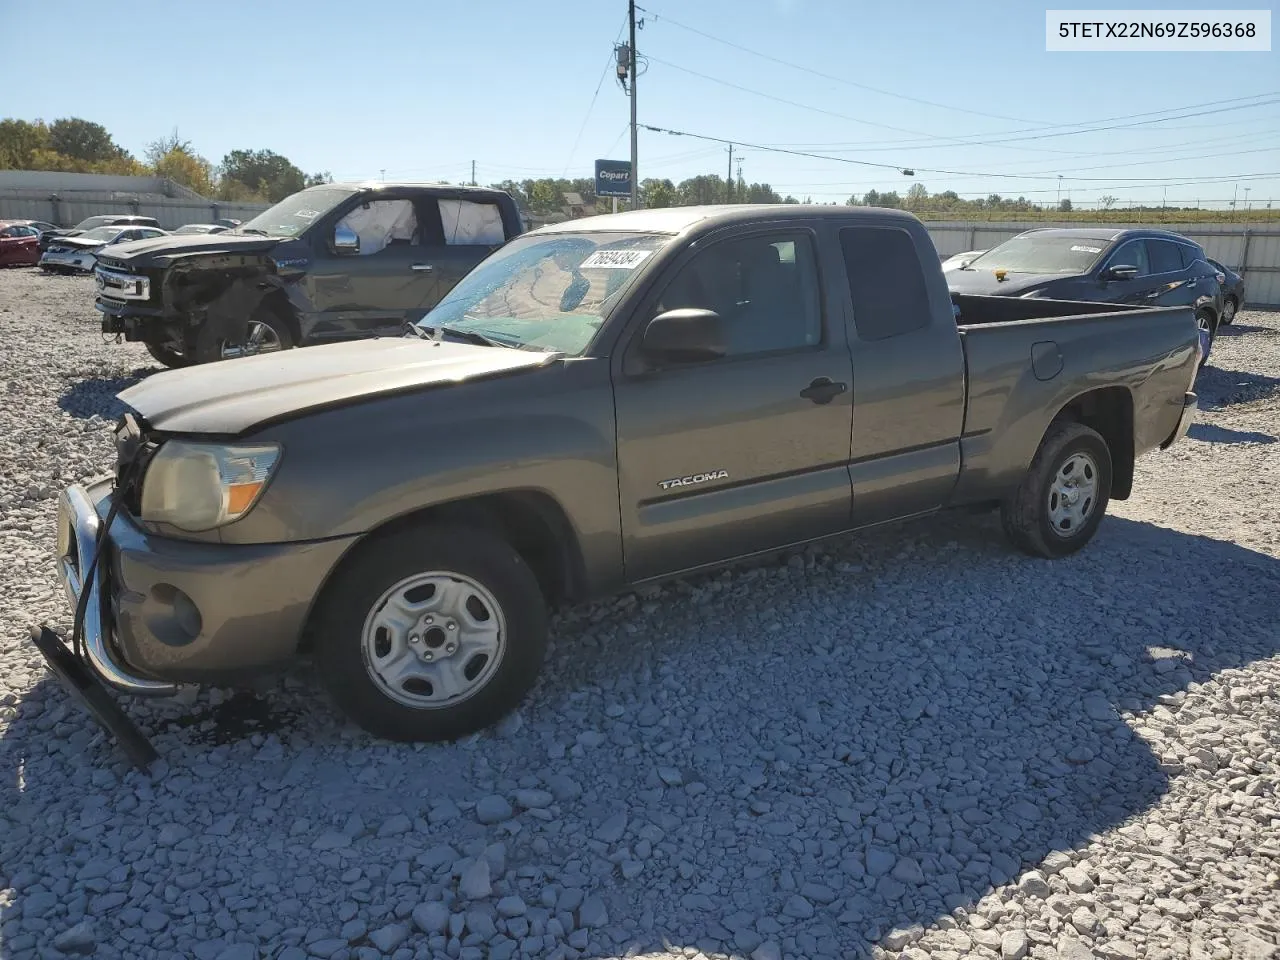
[[615, 259], [1081, 248]]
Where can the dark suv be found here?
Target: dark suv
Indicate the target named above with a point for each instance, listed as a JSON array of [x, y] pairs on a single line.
[[332, 262], [1147, 267]]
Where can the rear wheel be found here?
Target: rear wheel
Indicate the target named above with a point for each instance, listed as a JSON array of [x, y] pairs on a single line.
[[1229, 311], [1208, 328], [433, 634], [1061, 500]]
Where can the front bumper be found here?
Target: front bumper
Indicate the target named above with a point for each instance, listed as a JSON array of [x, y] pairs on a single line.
[[163, 612], [1190, 403], [84, 260]]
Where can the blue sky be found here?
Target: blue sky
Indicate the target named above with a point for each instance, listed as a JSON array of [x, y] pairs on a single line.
[[420, 89]]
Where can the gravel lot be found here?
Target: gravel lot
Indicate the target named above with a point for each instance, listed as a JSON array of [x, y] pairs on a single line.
[[913, 743]]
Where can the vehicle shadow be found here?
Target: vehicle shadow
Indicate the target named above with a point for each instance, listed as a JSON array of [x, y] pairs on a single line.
[[1218, 388], [96, 396], [817, 752], [1211, 433], [1238, 329]]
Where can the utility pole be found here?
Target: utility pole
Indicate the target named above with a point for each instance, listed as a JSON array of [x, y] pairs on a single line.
[[473, 173], [1246, 198], [635, 158], [1059, 189], [728, 180], [383, 173]]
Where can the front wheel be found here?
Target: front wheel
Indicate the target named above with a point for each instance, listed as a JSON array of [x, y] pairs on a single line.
[[168, 355], [266, 332], [1228, 312], [1061, 500], [431, 634]]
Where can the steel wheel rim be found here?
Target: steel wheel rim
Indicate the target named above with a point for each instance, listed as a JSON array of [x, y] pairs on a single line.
[[259, 338], [434, 640], [1073, 494]]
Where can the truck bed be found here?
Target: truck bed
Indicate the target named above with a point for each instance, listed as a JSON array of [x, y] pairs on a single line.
[[1023, 357]]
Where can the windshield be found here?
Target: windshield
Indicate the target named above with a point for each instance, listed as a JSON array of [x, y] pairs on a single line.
[[1040, 253], [194, 228], [547, 292], [102, 233], [295, 213], [90, 223]]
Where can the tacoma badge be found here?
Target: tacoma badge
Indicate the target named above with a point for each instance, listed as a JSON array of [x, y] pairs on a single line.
[[695, 478]]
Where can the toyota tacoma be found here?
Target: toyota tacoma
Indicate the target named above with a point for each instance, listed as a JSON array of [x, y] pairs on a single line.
[[601, 403]]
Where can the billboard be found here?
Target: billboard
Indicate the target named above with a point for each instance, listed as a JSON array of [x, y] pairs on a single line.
[[613, 178]]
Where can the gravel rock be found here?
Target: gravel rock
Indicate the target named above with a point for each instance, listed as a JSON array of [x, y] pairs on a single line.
[[493, 809], [1082, 764]]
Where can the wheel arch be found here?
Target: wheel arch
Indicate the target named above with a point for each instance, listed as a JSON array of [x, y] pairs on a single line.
[[1109, 411], [532, 521]]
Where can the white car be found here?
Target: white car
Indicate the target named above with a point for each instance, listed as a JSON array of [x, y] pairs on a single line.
[[956, 261], [79, 254]]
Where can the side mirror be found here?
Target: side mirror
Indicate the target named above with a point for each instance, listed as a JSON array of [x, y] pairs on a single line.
[[345, 240], [686, 335], [1120, 272]]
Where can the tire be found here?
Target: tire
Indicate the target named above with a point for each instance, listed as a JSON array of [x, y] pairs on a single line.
[[272, 330], [1033, 521], [471, 564], [1208, 328], [1229, 312], [169, 357]]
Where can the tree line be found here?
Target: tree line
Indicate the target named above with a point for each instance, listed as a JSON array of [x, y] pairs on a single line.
[[547, 195], [75, 145]]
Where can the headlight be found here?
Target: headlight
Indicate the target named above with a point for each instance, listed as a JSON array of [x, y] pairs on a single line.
[[199, 486]]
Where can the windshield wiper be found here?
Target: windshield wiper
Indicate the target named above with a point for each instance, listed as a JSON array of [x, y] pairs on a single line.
[[410, 327], [471, 336], [254, 230]]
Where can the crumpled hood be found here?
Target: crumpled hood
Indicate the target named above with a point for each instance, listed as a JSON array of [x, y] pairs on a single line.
[[231, 396], [985, 282], [140, 253], [77, 243]]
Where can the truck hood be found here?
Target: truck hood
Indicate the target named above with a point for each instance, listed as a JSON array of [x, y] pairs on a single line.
[[232, 396], [985, 282], [142, 253]]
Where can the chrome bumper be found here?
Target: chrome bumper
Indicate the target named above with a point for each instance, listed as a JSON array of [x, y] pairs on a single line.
[[78, 525]]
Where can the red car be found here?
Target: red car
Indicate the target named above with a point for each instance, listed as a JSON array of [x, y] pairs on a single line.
[[19, 244]]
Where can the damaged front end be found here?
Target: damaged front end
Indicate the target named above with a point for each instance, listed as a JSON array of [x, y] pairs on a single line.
[[186, 305], [89, 663]]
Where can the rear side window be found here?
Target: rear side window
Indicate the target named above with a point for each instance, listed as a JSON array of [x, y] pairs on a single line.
[[467, 222], [1190, 254], [1164, 256], [886, 282]]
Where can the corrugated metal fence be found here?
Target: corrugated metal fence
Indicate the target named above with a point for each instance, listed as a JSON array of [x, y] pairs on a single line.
[[1252, 250], [70, 207]]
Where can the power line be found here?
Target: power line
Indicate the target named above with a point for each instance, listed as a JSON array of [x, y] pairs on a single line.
[[591, 106], [961, 173], [1037, 128], [826, 76], [952, 141]]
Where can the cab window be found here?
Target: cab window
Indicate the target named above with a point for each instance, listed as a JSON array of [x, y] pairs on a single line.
[[764, 287]]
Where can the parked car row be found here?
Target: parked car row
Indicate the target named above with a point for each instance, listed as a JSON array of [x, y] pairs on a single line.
[[1105, 265]]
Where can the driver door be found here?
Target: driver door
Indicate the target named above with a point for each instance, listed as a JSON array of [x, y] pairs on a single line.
[[748, 452], [1137, 289], [375, 288]]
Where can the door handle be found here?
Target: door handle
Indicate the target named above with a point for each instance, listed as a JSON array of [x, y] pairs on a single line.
[[823, 390], [422, 266], [1192, 283]]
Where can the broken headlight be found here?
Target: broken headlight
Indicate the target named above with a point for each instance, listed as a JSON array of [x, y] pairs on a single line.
[[200, 486]]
